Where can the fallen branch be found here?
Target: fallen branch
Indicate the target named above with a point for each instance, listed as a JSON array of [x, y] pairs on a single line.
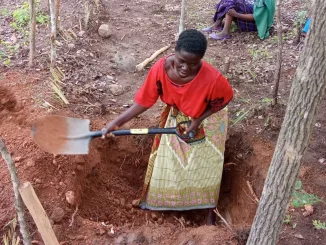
[[252, 192], [39, 215], [18, 200], [142, 65]]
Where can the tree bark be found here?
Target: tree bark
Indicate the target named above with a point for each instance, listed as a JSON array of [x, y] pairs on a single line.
[[32, 13], [277, 75], [182, 16], [307, 91], [53, 32], [18, 200], [57, 14]]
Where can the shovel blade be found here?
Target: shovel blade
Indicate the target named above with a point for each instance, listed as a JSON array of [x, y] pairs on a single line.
[[59, 135]]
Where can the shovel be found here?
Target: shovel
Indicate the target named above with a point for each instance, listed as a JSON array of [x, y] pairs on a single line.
[[71, 136]]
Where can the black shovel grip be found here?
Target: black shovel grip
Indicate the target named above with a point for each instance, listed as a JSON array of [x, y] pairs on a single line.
[[143, 131]]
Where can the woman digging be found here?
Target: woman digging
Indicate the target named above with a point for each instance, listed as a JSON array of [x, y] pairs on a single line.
[[182, 176]]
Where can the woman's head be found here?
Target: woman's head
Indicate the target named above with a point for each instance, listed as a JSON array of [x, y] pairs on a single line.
[[190, 49], [193, 42]]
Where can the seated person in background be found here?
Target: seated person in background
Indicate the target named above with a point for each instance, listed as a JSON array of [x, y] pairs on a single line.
[[247, 15]]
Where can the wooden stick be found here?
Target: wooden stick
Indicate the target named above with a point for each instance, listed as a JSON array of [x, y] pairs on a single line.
[[225, 222], [142, 65], [252, 192], [39, 215], [226, 65], [18, 200]]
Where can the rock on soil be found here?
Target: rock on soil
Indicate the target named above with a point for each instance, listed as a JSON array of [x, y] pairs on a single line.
[[57, 214], [116, 89], [160, 221], [70, 197], [104, 31], [125, 62]]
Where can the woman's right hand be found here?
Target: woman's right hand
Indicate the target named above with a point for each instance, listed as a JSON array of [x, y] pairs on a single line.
[[129, 114], [111, 126]]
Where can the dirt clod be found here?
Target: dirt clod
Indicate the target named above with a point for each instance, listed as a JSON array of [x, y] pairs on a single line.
[[102, 232], [17, 159], [7, 100], [57, 214], [135, 203], [30, 163], [160, 221], [309, 210], [154, 216]]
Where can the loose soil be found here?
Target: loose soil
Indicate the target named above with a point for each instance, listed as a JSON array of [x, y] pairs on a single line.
[[106, 181]]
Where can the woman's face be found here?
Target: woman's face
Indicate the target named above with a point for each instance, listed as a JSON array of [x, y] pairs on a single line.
[[186, 64]]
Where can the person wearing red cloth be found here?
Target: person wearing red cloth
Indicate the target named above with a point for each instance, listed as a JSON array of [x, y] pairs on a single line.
[[183, 176]]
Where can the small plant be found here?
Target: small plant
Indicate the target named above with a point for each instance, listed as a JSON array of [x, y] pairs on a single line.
[[319, 225], [4, 12], [11, 238], [267, 101], [287, 219], [300, 18], [234, 27], [301, 198], [21, 17], [7, 62], [258, 54]]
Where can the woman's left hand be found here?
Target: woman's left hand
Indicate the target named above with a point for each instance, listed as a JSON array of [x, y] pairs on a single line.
[[195, 123]]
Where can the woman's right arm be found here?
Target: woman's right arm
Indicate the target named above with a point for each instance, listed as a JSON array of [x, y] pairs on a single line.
[[126, 116]]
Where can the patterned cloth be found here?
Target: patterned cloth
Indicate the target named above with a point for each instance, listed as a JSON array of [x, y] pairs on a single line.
[[182, 176], [242, 7]]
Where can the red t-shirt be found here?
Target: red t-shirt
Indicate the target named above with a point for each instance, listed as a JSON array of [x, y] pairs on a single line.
[[208, 89]]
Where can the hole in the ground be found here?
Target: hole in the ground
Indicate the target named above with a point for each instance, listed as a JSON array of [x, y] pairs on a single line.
[[109, 185]]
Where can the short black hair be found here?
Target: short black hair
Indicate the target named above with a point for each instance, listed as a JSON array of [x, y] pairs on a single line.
[[192, 41]]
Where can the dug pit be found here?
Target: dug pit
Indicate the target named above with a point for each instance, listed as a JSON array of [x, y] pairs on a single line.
[[111, 177]]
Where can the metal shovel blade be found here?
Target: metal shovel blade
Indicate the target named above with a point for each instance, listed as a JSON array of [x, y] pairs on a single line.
[[62, 135]]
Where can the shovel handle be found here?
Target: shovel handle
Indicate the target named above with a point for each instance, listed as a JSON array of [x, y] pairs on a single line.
[[143, 131]]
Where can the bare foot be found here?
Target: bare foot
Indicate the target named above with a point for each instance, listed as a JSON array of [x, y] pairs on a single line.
[[220, 36]]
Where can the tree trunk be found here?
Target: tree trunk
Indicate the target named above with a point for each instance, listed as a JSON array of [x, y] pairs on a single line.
[[307, 90], [53, 32], [277, 75], [32, 14], [182, 16], [18, 200]]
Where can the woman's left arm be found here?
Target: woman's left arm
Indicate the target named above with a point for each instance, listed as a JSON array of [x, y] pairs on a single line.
[[220, 98]]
